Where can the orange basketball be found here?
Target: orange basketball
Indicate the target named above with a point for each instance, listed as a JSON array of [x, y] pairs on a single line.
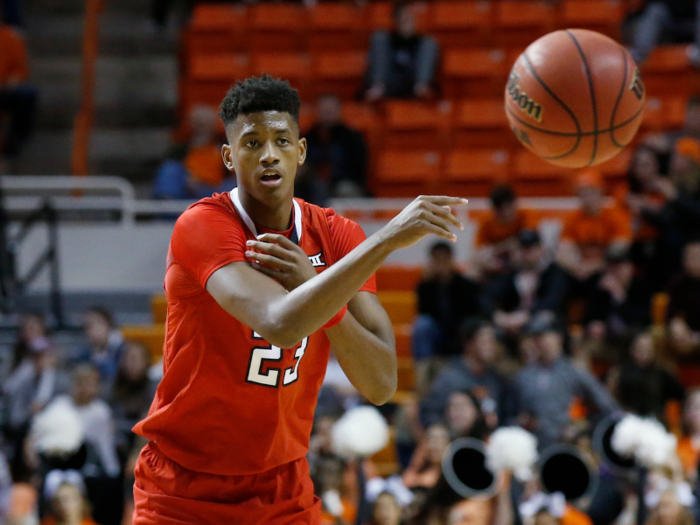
[[575, 98]]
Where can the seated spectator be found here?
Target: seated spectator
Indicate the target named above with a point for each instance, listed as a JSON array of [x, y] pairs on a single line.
[[426, 464], [545, 390], [474, 371], [671, 510], [69, 505], [386, 510], [465, 416], [195, 170], [132, 394], [336, 162], [105, 346], [497, 236], [30, 385], [588, 233], [620, 303], [329, 478], [683, 313], [17, 98], [664, 18], [641, 385], [445, 299], [535, 287], [101, 470], [402, 63], [689, 446]]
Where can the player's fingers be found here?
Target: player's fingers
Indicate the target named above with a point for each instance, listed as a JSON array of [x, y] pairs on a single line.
[[444, 200], [440, 232], [439, 222], [269, 260], [445, 212], [270, 248], [277, 239]]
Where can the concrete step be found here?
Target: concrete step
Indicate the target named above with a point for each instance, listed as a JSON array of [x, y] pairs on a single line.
[[120, 34], [128, 91]]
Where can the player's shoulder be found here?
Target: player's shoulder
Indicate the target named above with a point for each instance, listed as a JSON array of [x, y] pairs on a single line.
[[329, 216], [216, 207]]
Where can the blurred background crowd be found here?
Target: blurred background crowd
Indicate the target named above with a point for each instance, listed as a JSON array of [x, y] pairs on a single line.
[[552, 333]]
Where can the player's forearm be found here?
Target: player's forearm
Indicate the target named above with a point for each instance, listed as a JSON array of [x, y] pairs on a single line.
[[309, 307], [368, 360]]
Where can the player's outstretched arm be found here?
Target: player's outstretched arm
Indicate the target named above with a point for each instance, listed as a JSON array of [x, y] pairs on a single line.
[[284, 319]]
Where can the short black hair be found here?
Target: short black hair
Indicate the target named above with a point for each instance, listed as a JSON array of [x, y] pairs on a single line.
[[256, 94], [105, 313], [502, 194], [441, 246], [400, 6]]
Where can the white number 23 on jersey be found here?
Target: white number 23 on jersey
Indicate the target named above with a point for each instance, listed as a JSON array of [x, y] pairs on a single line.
[[261, 355]]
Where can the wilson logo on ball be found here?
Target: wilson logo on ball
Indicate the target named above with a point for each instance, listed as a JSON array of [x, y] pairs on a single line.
[[525, 103], [637, 85]]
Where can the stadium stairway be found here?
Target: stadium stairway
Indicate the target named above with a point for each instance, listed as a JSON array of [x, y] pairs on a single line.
[[135, 90]]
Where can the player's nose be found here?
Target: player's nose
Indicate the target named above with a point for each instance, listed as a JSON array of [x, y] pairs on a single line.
[[270, 155]]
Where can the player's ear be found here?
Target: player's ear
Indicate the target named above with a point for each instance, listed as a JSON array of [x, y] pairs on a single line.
[[227, 155], [302, 151]]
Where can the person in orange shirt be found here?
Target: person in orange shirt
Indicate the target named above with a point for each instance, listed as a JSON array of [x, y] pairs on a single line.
[[199, 172], [17, 99], [497, 237], [689, 445], [590, 232]]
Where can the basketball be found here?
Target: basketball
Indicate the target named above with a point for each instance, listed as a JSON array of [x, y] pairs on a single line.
[[575, 98]]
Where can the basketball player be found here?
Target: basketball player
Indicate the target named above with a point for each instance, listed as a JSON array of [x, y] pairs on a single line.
[[259, 285]]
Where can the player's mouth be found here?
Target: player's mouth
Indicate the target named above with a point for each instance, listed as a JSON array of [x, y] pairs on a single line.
[[271, 178]]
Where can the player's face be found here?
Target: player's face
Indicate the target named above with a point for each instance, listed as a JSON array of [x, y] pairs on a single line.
[[264, 151]]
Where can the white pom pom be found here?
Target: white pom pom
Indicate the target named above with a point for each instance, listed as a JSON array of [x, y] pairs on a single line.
[[332, 503], [645, 439], [514, 449], [58, 429], [361, 431]]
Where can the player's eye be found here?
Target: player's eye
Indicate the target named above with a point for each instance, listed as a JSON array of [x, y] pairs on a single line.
[[251, 144], [284, 142]]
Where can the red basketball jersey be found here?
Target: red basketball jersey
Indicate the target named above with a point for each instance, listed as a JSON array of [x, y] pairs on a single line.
[[230, 403]]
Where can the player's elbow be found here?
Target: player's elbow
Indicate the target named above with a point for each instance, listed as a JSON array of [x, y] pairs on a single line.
[[383, 390], [279, 337]]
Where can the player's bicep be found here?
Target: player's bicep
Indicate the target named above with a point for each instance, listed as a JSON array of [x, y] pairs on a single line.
[[369, 312], [247, 295]]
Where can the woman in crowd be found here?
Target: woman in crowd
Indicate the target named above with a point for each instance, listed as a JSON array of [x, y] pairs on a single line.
[[386, 510], [68, 506]]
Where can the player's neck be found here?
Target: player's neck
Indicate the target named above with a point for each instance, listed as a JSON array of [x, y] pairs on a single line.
[[277, 216]]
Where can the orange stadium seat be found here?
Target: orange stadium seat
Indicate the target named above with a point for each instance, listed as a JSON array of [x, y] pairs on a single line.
[[338, 26], [339, 72], [381, 15], [667, 71], [403, 339], [474, 72], [664, 113], [295, 67], [460, 24], [604, 16], [277, 27], [210, 76], [364, 118], [406, 173], [481, 123], [398, 278], [534, 177], [216, 28], [473, 172], [519, 23], [411, 124], [400, 306]]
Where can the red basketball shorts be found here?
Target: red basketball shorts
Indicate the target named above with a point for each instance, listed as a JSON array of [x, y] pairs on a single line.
[[168, 493]]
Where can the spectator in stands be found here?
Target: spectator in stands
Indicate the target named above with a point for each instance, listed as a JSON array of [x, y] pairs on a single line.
[[666, 17], [30, 385], [132, 394], [336, 162], [105, 345], [473, 371], [588, 233], [426, 464], [689, 445], [683, 313], [69, 505], [535, 287], [17, 98], [386, 510], [620, 302], [329, 478], [545, 390], [641, 385], [195, 170], [402, 63], [5, 488], [101, 470], [445, 299], [465, 416], [497, 237]]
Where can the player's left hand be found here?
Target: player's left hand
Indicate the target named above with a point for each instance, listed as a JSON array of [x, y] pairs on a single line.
[[280, 258]]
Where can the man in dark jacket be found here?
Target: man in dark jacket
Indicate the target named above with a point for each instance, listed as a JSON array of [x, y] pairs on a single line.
[[536, 287], [445, 299]]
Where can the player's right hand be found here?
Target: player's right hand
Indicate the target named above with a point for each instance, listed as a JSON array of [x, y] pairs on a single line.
[[425, 215]]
